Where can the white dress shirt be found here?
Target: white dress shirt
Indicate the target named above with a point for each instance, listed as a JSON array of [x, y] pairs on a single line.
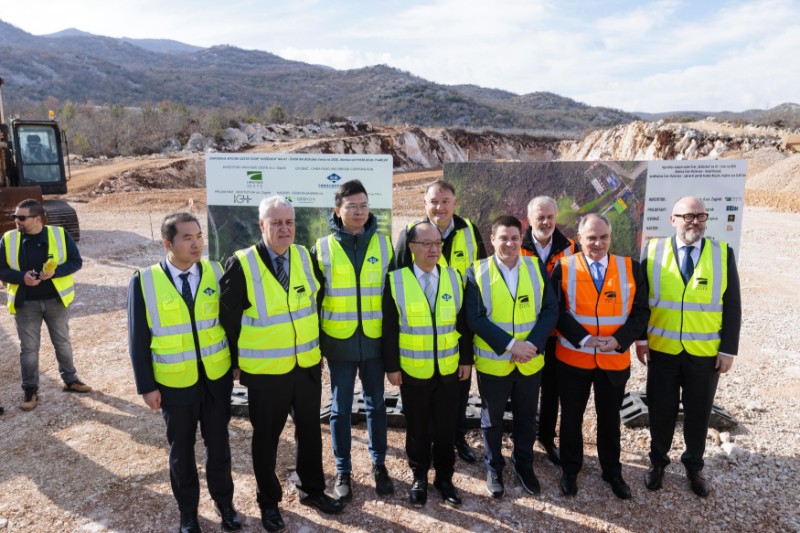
[[604, 263], [194, 277], [543, 251]]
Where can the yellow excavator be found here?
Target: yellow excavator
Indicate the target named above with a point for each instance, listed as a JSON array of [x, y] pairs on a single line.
[[32, 166]]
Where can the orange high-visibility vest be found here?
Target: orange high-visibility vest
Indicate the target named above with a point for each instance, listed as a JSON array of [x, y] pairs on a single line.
[[601, 313]]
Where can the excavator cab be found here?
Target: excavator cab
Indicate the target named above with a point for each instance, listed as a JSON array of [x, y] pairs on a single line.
[[40, 159]]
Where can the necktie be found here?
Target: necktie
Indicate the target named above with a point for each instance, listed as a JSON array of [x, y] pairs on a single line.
[[186, 289], [687, 266], [429, 289], [597, 275], [280, 272]]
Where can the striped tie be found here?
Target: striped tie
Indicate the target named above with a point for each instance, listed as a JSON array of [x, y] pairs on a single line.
[[280, 272]]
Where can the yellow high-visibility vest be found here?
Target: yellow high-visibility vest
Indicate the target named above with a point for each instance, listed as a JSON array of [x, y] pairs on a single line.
[[172, 344], [463, 252], [686, 316], [343, 291], [417, 322], [280, 329], [56, 247], [517, 317]]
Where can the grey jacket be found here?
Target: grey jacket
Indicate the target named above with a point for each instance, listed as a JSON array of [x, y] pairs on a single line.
[[359, 347]]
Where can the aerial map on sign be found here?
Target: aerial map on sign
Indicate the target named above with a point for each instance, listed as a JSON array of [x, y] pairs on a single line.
[[615, 189]]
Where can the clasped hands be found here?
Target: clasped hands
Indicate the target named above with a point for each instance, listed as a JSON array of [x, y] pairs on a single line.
[[522, 352], [602, 343]]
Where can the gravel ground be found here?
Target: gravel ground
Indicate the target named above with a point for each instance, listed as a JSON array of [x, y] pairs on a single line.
[[98, 462]]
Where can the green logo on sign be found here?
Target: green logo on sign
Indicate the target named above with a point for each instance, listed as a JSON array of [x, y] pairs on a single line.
[[254, 175]]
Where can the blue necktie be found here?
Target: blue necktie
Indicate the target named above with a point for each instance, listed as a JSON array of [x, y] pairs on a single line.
[[280, 272], [597, 275], [687, 266], [186, 290]]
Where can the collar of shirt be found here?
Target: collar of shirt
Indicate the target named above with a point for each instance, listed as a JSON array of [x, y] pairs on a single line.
[[175, 272], [603, 262], [449, 229], [504, 269], [418, 272], [679, 244], [543, 250]]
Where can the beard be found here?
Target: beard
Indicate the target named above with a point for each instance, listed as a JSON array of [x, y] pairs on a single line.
[[692, 235]]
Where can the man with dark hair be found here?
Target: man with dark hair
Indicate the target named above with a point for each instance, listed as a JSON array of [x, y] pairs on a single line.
[[182, 364], [269, 312], [512, 310], [603, 310], [36, 264], [461, 246], [427, 351], [544, 240], [692, 337], [351, 265]]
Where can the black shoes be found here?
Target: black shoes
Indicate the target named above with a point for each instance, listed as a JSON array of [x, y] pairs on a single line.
[[324, 503], [419, 492], [271, 519], [569, 484], [654, 477], [230, 518], [189, 523], [552, 452], [465, 451], [341, 487], [448, 492], [618, 486], [383, 483], [698, 483], [494, 484], [528, 479]]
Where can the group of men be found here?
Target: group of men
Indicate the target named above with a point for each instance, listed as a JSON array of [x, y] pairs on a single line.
[[543, 312]]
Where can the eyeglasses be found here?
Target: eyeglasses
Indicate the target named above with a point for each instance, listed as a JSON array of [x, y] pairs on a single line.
[[21, 218], [428, 244], [689, 217]]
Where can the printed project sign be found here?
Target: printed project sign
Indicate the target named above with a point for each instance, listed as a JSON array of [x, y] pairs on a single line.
[[236, 184]]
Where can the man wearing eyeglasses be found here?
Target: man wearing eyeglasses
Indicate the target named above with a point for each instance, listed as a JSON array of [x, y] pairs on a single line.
[[462, 245], [512, 310], [426, 352], [37, 294], [692, 336], [351, 265]]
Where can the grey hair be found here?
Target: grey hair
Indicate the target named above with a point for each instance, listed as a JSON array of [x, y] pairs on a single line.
[[538, 200], [273, 201], [590, 216]]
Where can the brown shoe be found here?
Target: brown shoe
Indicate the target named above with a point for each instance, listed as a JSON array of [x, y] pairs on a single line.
[[654, 477], [31, 399], [77, 386], [698, 483]]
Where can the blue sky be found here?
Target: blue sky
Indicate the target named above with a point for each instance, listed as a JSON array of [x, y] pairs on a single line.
[[665, 55]]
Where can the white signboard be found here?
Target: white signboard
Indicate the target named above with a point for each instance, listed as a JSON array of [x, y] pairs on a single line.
[[236, 184], [719, 184]]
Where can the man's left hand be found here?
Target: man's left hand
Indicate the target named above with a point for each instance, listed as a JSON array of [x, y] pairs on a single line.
[[607, 344], [724, 363], [46, 275], [464, 372]]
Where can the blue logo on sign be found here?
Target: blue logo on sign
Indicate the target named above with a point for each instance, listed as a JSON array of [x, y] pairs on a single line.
[[333, 178], [373, 260], [446, 297]]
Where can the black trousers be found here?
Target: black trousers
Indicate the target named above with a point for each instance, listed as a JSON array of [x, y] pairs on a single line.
[[298, 392], [463, 401], [574, 385], [495, 393], [670, 380], [213, 414], [433, 404], [548, 405]]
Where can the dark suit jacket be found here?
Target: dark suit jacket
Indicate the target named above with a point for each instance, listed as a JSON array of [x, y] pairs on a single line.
[[139, 337], [479, 322], [731, 303], [402, 253], [391, 340]]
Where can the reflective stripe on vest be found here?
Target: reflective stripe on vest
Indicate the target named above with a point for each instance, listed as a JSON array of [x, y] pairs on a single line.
[[172, 344], [599, 312], [516, 317], [56, 247], [416, 323], [686, 316], [348, 300], [463, 251], [280, 328]]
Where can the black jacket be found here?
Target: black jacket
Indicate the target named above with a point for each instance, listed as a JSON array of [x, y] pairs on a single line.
[[560, 243], [358, 347], [139, 337], [402, 254]]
